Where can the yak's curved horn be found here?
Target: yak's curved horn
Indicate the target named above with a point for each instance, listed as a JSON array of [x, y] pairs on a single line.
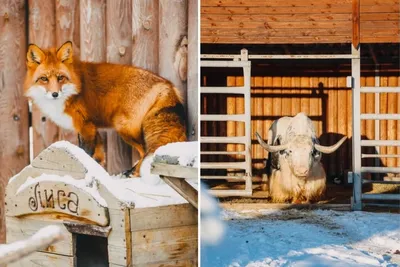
[[270, 148], [330, 149]]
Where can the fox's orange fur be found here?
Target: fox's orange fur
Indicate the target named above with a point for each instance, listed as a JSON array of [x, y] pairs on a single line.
[[145, 109]]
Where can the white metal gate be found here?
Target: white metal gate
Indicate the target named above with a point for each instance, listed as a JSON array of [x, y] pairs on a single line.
[[358, 169], [246, 139]]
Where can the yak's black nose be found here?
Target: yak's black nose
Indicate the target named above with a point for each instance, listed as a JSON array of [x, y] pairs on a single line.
[[55, 94]]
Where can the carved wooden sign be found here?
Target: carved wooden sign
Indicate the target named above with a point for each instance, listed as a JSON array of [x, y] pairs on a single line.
[[59, 200]]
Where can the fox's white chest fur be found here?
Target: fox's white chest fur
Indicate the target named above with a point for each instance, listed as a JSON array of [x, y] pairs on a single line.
[[50, 107]]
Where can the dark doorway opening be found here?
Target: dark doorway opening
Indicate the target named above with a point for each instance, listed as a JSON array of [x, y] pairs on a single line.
[[91, 251]]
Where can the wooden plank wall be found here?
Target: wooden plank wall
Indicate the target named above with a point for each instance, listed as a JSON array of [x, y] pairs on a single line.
[[309, 21], [124, 31], [14, 119], [326, 100]]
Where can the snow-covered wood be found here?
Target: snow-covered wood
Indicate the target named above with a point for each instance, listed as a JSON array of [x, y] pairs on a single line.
[[66, 187]]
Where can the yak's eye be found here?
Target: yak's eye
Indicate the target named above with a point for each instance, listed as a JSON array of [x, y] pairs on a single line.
[[44, 78], [61, 78]]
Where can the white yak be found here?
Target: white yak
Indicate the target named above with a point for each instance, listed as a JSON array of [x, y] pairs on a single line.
[[295, 171]]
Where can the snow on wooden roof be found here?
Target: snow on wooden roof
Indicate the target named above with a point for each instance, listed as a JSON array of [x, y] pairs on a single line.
[[63, 178]]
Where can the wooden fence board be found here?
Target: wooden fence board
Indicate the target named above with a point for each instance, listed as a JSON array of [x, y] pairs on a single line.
[[145, 40], [14, 119], [172, 34], [193, 73], [68, 29], [42, 16], [119, 50]]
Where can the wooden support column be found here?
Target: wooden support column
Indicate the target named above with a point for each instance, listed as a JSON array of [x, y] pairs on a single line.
[[173, 43], [145, 39], [93, 37], [67, 29], [119, 50], [14, 117], [356, 23], [193, 72], [42, 32]]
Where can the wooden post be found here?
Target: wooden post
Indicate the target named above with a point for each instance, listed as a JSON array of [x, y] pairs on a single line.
[[67, 29], [119, 50], [193, 73], [145, 34], [332, 122], [93, 36], [42, 16], [173, 43], [356, 23], [145, 39], [14, 116]]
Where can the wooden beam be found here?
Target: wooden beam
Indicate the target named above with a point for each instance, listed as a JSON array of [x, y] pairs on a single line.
[[183, 188], [14, 116], [174, 170], [87, 229], [119, 51], [356, 23]]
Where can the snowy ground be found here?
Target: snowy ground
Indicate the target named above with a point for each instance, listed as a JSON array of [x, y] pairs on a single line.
[[306, 238]]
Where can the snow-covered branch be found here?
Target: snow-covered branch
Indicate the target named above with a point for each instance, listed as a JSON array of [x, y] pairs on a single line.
[[41, 240]]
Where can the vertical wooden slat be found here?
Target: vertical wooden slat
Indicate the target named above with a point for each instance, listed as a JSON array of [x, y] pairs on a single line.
[[333, 119], [342, 124], [383, 123], [93, 36], [286, 97], [231, 109], [258, 112], [315, 103], [42, 16], [295, 95], [68, 29], [93, 30], [14, 121], [144, 39], [192, 86], [392, 124], [172, 47], [145, 34], [240, 127], [323, 110], [370, 124], [305, 101], [119, 50], [356, 23], [271, 106]]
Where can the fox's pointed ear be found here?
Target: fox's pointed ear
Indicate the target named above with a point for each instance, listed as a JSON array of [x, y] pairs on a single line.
[[64, 53], [35, 55]]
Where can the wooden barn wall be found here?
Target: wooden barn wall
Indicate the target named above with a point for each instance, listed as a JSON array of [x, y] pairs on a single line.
[[326, 100], [308, 21], [153, 34]]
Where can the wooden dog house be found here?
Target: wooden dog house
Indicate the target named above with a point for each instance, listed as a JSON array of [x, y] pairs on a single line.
[[103, 229]]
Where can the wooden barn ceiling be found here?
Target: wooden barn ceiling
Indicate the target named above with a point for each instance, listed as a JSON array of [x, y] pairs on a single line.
[[298, 21]]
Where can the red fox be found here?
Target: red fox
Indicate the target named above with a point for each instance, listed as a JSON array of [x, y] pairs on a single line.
[[145, 109]]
